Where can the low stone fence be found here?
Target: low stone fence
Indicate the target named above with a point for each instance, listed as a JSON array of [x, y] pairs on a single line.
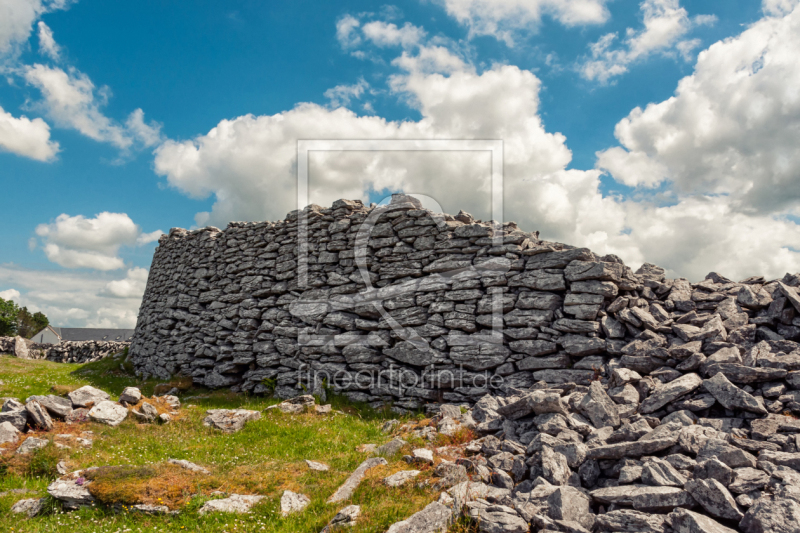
[[64, 352]]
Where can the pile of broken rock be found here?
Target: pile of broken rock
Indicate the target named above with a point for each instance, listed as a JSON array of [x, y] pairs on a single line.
[[84, 404], [674, 452]]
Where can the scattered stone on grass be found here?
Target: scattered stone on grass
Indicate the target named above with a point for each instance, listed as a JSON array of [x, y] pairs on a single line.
[[87, 396], [183, 463], [346, 490], [400, 478], [31, 444], [30, 507], [229, 420], [292, 502], [109, 413], [314, 465], [345, 518], [8, 433], [235, 503]]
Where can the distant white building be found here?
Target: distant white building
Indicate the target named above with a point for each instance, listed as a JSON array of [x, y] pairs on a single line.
[[53, 335]]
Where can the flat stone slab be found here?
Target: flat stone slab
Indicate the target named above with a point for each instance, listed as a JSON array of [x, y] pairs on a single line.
[[71, 491], [30, 507], [631, 449], [346, 490], [344, 518], [31, 444], [55, 405], [315, 465], [109, 413], [670, 392], [400, 478], [8, 433], [235, 503], [229, 420], [183, 463], [16, 417], [435, 518], [87, 396], [292, 502]]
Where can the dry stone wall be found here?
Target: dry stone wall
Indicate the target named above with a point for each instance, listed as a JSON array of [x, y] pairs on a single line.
[[64, 352], [398, 304]]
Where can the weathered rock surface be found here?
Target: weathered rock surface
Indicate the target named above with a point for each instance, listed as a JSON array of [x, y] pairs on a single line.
[[130, 395], [183, 463], [71, 491], [229, 420], [346, 489], [109, 413], [401, 478], [29, 507], [435, 518], [31, 444], [235, 503], [8, 433], [292, 502], [87, 396]]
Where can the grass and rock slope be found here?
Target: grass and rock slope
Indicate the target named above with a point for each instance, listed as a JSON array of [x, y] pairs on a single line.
[[265, 458]]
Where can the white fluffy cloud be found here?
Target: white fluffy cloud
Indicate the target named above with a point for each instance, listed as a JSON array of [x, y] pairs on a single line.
[[503, 19], [80, 242], [9, 294], [47, 43], [341, 95], [352, 33], [248, 163], [76, 299], [778, 7], [131, 286], [731, 128], [17, 18], [69, 98], [381, 33], [26, 137], [665, 25]]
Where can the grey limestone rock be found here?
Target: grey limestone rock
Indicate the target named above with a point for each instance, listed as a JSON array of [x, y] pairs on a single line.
[[130, 395], [400, 478], [686, 521], [55, 405], [71, 491], [37, 415], [29, 507], [31, 444], [229, 420], [292, 502], [346, 489], [731, 396], [600, 409], [183, 463], [235, 503], [435, 518], [87, 396], [670, 392], [108, 412], [347, 517], [17, 418], [630, 521], [8, 433], [714, 498]]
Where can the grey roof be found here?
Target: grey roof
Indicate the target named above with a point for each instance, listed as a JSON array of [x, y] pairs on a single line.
[[94, 334]]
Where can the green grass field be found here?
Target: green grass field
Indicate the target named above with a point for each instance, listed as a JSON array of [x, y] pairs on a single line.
[[266, 457]]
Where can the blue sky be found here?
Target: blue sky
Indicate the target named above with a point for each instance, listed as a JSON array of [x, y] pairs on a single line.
[[130, 92]]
